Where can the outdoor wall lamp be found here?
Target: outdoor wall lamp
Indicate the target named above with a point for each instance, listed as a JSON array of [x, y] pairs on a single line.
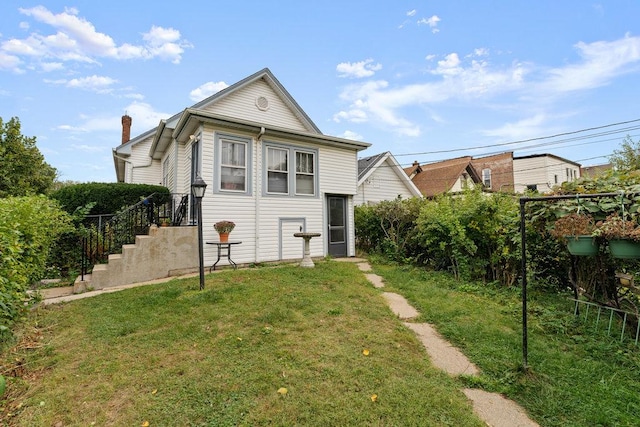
[[198, 188]]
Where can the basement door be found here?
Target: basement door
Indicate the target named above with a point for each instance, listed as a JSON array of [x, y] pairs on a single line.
[[337, 226]]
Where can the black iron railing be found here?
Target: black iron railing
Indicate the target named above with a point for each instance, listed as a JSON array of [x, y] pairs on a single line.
[[107, 236]]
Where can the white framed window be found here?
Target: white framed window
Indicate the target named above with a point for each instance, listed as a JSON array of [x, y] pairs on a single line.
[[233, 165], [305, 173], [486, 177], [289, 170], [277, 170]]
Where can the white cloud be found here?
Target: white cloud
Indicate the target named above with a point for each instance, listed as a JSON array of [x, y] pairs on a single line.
[[100, 84], [206, 90], [601, 61], [430, 57], [10, 62], [431, 22], [449, 66], [522, 129], [69, 128], [347, 134], [23, 25], [51, 66], [360, 69], [377, 102], [88, 148], [76, 40], [412, 12]]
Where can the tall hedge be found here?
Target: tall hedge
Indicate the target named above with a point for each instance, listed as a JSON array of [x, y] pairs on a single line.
[[28, 228], [108, 197]]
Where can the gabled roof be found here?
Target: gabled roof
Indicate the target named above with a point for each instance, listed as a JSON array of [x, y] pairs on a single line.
[[439, 177], [266, 75], [162, 133], [368, 165]]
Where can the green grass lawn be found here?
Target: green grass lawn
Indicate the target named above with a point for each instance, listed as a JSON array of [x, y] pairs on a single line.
[[172, 355], [577, 375]]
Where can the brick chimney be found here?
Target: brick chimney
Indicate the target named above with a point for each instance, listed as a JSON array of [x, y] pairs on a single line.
[[126, 128]]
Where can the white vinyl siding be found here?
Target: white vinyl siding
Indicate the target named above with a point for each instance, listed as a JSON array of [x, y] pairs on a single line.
[[382, 184], [338, 171], [242, 105], [142, 169]]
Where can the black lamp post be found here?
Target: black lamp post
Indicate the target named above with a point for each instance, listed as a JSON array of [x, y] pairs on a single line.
[[197, 188]]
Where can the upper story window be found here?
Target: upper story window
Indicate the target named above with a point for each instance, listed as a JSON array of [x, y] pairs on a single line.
[[486, 177], [233, 165], [290, 170], [277, 170]]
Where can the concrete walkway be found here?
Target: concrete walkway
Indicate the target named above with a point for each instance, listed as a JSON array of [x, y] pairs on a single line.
[[492, 408]]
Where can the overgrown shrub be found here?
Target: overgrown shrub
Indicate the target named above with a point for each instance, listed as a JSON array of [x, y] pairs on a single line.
[[108, 198], [474, 235], [28, 228], [387, 227]]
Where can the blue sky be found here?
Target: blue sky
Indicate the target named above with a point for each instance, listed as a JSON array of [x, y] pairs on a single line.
[[426, 80]]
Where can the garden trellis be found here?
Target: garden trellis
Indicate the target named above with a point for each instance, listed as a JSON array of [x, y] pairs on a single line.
[[523, 202]]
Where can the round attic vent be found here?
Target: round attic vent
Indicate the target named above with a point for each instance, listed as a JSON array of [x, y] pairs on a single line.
[[262, 103]]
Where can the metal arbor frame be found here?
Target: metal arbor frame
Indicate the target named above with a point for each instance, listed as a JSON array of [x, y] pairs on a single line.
[[523, 238]]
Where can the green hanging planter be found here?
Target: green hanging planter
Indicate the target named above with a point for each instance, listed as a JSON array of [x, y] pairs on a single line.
[[582, 245], [624, 248]]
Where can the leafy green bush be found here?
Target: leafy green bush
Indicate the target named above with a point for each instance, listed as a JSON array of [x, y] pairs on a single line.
[[387, 227], [108, 197], [474, 235], [28, 228]]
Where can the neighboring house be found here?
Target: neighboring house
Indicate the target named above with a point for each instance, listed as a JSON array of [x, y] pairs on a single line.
[[451, 175], [496, 171], [381, 177], [541, 172], [595, 170], [267, 167]]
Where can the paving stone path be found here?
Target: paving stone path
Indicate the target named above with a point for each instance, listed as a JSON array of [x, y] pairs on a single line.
[[492, 408]]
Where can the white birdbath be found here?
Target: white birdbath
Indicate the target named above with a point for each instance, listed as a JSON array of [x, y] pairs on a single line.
[[306, 260]]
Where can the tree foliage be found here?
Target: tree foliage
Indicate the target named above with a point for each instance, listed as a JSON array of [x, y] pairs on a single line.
[[107, 198], [23, 170], [627, 157], [28, 228]]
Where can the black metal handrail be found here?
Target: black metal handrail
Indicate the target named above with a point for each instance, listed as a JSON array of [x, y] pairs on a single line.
[[108, 238]]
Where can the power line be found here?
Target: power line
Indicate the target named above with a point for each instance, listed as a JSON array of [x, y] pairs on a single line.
[[453, 150]]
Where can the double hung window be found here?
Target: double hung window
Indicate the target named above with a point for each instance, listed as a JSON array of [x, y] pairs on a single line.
[[277, 170], [290, 171], [233, 165], [305, 173]]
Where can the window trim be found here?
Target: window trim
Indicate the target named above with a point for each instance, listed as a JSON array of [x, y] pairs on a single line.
[[219, 138], [292, 159], [285, 172]]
